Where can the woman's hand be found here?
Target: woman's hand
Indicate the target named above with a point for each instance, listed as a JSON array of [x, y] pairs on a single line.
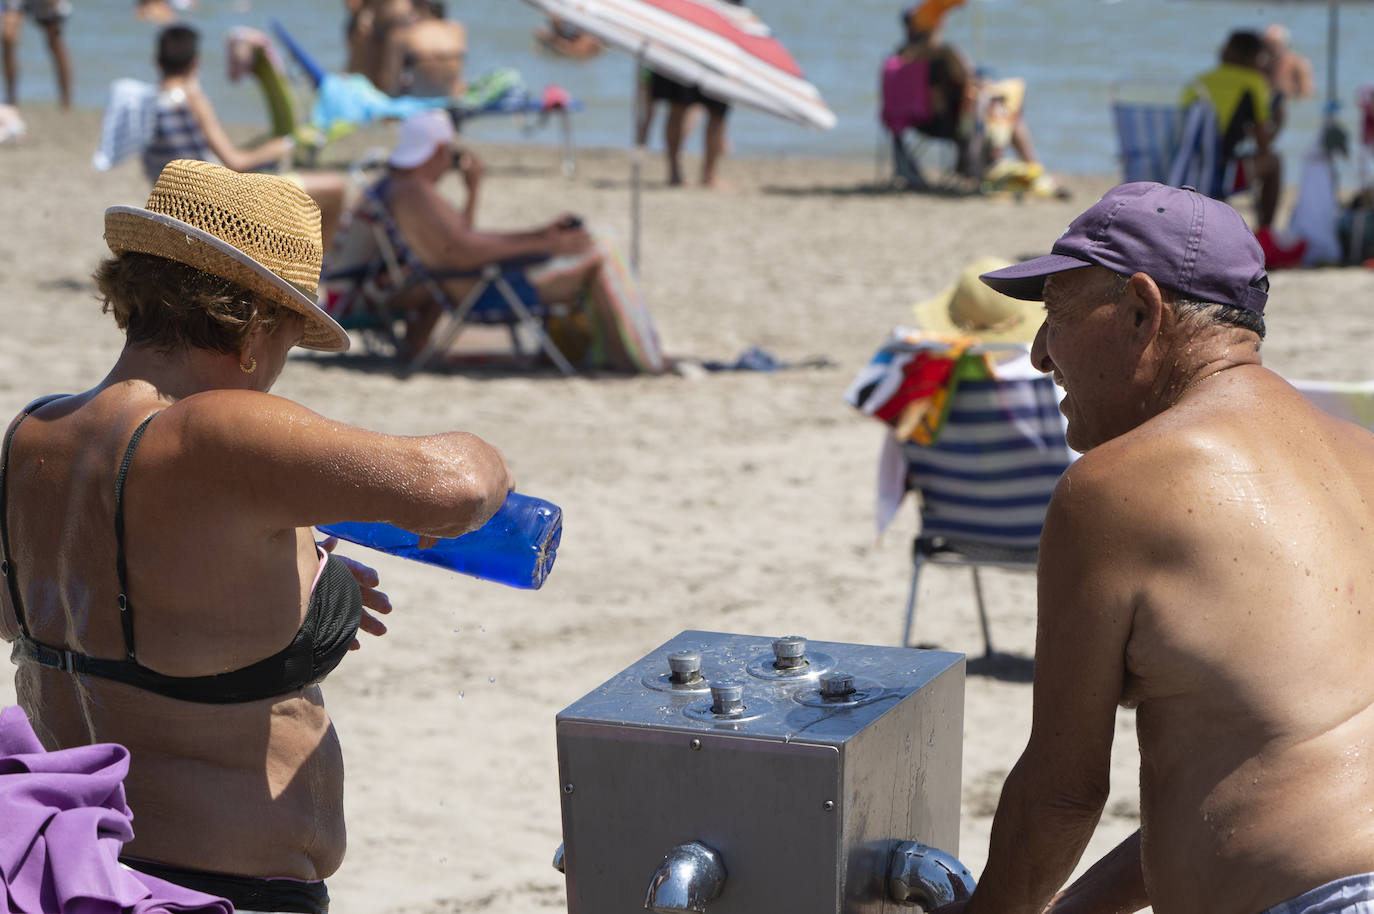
[[373, 599]]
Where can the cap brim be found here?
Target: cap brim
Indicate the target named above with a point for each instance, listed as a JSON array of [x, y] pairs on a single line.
[[1026, 281], [130, 228], [410, 158]]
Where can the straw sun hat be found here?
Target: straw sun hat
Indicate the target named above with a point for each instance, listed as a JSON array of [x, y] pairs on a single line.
[[260, 231], [970, 307]]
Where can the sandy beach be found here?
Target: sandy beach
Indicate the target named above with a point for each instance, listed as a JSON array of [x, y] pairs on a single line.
[[730, 501]]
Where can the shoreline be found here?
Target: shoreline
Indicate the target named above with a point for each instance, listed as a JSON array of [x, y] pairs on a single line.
[[46, 112]]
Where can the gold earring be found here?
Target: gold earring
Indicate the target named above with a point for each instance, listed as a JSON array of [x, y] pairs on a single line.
[[250, 366]]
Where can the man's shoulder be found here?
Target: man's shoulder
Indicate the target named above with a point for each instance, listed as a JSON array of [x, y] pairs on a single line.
[[1159, 458]]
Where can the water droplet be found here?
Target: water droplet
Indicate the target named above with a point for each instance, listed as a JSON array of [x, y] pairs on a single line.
[[491, 679], [460, 694]]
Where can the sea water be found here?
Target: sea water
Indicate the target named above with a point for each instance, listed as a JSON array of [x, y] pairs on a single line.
[[1071, 53]]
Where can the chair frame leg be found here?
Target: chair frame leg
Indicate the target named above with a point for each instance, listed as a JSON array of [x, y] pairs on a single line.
[[982, 611], [916, 562], [456, 317]]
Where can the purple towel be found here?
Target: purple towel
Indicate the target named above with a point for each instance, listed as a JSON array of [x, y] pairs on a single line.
[[65, 820]]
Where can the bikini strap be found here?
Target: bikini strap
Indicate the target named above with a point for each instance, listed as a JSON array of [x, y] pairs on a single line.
[[126, 616], [12, 580]]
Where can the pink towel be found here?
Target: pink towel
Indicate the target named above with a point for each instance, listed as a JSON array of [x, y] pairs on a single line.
[[906, 93]]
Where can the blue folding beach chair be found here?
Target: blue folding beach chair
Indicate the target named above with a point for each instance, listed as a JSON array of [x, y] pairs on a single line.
[[985, 482], [367, 294], [1166, 142]]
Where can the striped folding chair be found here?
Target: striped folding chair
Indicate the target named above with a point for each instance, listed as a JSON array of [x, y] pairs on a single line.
[[985, 482]]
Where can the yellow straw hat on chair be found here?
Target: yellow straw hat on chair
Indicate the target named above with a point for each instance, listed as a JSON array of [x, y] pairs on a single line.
[[260, 231], [971, 307]]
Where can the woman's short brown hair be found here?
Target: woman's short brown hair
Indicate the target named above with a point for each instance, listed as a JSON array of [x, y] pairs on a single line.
[[170, 305]]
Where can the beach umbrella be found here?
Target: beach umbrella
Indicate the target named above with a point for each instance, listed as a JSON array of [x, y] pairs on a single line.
[[724, 50]]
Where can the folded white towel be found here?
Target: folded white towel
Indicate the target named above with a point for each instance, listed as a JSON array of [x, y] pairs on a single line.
[[127, 126]]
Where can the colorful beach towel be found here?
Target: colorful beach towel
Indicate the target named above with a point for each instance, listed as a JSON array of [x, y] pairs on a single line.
[[908, 382], [127, 124], [613, 328]]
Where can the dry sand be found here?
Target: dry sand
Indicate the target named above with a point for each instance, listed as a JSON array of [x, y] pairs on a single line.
[[735, 502]]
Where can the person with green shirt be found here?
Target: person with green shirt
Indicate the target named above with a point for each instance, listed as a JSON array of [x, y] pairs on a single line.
[[1238, 92]]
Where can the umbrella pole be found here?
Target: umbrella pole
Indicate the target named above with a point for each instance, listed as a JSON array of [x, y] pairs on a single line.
[[1332, 39], [641, 103]]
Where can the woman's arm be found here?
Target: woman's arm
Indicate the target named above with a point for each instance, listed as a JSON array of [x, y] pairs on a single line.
[[243, 452], [232, 156]]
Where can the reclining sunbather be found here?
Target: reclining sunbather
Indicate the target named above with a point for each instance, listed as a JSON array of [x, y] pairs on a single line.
[[583, 270]]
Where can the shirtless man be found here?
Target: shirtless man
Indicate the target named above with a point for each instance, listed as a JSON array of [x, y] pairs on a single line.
[[575, 268], [426, 57], [1290, 73], [1207, 562]]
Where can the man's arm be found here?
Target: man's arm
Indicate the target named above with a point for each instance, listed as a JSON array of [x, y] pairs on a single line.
[[446, 239], [1054, 795], [1114, 885]]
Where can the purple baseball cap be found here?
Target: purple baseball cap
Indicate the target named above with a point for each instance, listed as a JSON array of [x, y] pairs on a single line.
[[1186, 241]]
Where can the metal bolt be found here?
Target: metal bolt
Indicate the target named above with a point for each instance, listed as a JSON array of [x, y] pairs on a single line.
[[568, 788], [789, 652], [695, 745], [828, 805], [684, 667], [836, 685], [727, 698]]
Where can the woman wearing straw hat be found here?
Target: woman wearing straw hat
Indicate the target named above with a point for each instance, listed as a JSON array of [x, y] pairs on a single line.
[[163, 587]]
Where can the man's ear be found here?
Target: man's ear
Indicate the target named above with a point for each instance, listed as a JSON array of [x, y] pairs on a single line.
[[1143, 305]]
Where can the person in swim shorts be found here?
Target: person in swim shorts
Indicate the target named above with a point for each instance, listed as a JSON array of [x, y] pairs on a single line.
[[1206, 561], [50, 16], [163, 586]]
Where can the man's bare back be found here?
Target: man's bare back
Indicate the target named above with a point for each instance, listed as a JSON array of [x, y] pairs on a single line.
[[1247, 578], [1206, 561]]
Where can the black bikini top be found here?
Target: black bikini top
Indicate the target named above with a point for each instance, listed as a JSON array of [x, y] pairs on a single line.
[[331, 621]]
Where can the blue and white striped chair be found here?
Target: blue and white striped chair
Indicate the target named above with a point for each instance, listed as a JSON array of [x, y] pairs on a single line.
[[985, 483]]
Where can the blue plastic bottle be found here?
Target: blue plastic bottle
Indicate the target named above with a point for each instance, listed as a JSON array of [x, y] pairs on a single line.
[[516, 546]]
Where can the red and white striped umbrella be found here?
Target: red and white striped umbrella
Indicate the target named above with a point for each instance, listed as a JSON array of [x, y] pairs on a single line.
[[723, 49]]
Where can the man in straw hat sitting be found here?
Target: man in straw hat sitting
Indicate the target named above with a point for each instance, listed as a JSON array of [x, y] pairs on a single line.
[[580, 270], [165, 590], [1206, 562]]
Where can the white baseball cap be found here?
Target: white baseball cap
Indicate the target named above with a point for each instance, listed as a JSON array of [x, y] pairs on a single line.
[[421, 134]]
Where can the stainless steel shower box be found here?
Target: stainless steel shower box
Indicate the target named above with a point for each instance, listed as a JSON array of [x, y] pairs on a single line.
[[781, 774]]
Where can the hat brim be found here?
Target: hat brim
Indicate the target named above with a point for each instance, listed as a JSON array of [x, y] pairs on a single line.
[[932, 316], [411, 158], [1026, 281], [130, 229]]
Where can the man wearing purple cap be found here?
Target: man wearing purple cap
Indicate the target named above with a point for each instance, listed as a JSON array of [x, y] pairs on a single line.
[[1207, 561]]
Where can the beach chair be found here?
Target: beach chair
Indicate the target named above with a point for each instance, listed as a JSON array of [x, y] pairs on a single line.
[[368, 293], [906, 109], [1159, 139], [1147, 132], [983, 485]]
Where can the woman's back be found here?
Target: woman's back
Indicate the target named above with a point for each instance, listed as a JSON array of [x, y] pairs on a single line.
[[209, 592]]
